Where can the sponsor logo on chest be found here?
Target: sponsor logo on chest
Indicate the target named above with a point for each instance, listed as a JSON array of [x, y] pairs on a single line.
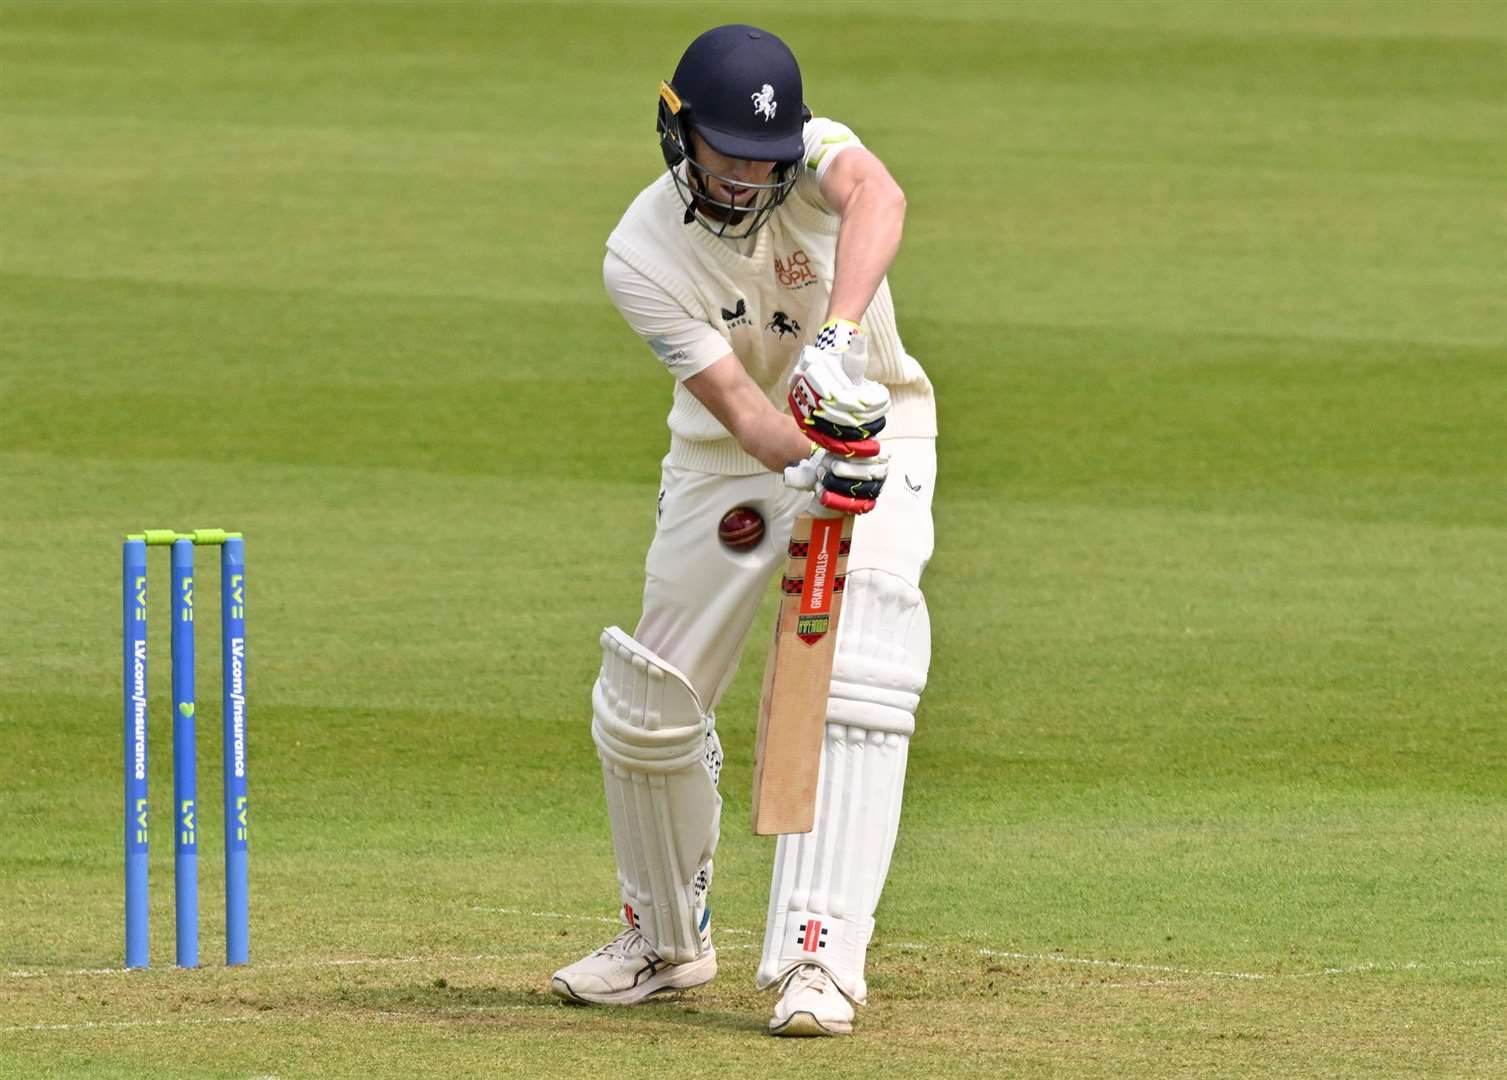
[[738, 315], [783, 325], [794, 271]]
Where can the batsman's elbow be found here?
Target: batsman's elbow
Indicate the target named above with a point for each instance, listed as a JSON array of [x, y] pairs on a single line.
[[889, 197], [897, 196], [884, 193]]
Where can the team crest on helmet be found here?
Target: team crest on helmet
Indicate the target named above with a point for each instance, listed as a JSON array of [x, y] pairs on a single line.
[[764, 102]]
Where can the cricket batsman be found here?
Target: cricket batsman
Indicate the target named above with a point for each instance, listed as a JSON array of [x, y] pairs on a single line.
[[754, 269]]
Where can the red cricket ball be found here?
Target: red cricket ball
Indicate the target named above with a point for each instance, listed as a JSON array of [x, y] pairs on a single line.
[[741, 528]]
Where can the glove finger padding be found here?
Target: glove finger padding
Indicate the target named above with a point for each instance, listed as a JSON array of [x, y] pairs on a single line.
[[876, 467], [821, 388], [847, 484], [845, 505], [848, 448], [860, 408], [843, 433], [856, 489], [857, 478]]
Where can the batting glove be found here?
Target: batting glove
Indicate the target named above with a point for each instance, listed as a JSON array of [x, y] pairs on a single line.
[[847, 484], [837, 407]]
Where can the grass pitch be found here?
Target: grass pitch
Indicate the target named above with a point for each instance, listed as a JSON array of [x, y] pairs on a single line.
[[1211, 778]]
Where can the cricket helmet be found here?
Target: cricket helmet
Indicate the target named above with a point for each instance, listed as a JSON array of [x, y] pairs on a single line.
[[739, 88]]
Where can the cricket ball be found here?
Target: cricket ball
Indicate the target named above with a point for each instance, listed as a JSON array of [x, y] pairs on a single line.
[[741, 528]]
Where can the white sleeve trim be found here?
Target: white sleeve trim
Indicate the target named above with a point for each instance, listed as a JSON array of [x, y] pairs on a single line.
[[684, 344]]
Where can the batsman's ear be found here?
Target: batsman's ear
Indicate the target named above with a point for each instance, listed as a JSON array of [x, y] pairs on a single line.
[[805, 113]]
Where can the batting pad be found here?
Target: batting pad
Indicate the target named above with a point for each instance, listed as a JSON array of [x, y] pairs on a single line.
[[827, 882], [660, 758]]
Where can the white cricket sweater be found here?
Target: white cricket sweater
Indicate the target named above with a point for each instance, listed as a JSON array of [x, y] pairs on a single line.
[[767, 304]]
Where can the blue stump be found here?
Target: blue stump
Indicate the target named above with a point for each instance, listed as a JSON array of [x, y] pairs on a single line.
[[133, 590], [185, 779], [233, 659]]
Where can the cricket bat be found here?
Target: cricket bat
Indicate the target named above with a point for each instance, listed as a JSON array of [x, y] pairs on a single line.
[[798, 675]]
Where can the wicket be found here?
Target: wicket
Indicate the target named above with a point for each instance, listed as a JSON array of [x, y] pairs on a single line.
[[185, 780]]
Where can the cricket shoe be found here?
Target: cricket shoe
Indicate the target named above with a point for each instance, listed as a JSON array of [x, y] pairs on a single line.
[[627, 970], [811, 1004]]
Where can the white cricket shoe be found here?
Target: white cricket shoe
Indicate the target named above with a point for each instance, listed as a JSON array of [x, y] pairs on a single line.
[[811, 1004], [627, 970]]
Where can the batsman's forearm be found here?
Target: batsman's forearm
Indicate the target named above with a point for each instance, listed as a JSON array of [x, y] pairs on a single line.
[[867, 241], [775, 439], [766, 432]]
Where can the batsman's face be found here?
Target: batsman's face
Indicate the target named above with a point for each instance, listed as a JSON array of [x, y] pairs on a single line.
[[724, 177]]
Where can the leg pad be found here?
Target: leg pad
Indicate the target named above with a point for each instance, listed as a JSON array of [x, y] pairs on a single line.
[[660, 757], [827, 882]]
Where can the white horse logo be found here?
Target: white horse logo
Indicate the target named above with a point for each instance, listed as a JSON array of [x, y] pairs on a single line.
[[764, 103]]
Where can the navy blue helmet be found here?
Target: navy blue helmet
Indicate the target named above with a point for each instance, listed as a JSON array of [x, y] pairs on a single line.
[[739, 88]]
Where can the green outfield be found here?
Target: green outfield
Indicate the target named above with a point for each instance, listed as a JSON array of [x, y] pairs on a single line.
[[1211, 777]]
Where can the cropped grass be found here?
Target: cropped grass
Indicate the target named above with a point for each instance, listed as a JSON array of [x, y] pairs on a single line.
[[1211, 775]]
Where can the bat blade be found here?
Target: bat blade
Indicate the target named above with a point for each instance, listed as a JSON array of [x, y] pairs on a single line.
[[798, 676]]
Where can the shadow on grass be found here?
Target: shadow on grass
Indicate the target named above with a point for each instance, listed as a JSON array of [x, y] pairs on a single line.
[[439, 1001]]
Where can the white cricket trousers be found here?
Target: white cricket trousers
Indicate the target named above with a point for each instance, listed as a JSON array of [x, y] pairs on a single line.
[[700, 598]]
